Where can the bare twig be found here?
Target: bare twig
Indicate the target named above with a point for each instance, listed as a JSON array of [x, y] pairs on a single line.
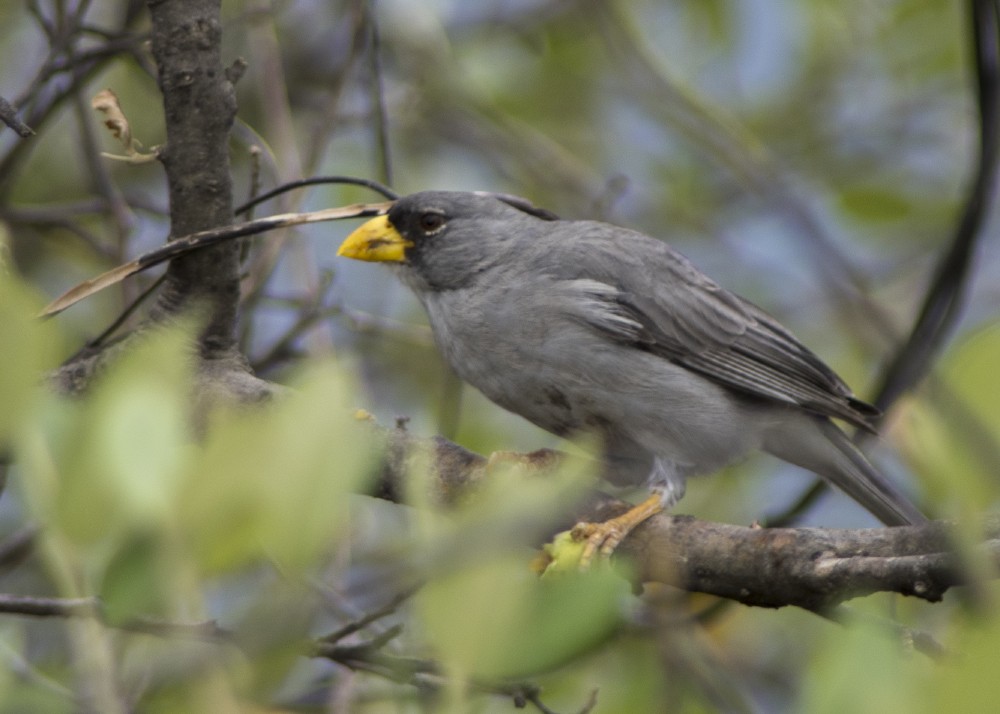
[[125, 314], [318, 181], [93, 608], [426, 674], [17, 546], [359, 624], [8, 115], [49, 606], [48, 90], [383, 154]]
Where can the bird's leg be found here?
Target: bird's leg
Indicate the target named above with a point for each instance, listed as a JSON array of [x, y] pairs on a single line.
[[604, 537]]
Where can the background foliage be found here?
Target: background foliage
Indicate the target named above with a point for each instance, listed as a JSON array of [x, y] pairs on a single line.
[[812, 156]]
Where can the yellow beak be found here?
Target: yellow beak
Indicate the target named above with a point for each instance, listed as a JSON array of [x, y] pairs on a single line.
[[376, 241]]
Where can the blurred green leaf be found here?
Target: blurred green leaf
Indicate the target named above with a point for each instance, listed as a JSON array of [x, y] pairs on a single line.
[[972, 364], [119, 451], [863, 670], [874, 203], [105, 463], [276, 629], [29, 686], [951, 441], [138, 581], [717, 18], [966, 681], [30, 347], [495, 619], [272, 482]]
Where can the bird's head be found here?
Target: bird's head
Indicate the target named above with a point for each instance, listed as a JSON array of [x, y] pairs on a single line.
[[442, 239]]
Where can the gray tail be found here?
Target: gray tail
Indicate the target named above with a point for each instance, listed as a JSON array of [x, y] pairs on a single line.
[[819, 445]]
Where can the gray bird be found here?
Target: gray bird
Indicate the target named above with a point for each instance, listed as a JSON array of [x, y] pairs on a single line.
[[584, 327]]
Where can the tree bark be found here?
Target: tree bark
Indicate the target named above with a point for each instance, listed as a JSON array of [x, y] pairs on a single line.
[[199, 106]]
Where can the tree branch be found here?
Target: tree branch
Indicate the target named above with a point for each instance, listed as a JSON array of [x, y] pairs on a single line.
[[93, 608], [811, 568], [199, 104], [426, 674], [8, 115]]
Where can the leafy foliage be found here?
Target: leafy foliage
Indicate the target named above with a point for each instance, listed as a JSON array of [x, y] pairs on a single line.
[[809, 155]]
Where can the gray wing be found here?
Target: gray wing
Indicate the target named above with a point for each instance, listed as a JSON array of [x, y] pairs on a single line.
[[638, 291]]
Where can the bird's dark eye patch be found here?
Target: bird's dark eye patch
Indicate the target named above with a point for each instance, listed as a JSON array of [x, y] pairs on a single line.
[[431, 221]]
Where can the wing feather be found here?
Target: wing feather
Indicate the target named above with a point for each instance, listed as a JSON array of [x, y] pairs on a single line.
[[640, 292]]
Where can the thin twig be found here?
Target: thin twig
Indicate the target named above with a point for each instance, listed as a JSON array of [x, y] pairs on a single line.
[[359, 624], [8, 115], [317, 181], [49, 606], [17, 546], [124, 315], [383, 154], [93, 608], [425, 673]]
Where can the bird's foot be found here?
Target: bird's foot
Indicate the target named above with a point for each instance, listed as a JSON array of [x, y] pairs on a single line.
[[603, 538]]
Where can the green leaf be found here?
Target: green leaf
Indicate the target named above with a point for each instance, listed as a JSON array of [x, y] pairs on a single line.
[[98, 467], [875, 204], [30, 347], [966, 682], [139, 580], [971, 366], [864, 670], [948, 440], [120, 451], [495, 619], [272, 482]]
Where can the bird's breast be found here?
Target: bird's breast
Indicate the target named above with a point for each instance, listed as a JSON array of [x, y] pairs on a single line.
[[510, 353]]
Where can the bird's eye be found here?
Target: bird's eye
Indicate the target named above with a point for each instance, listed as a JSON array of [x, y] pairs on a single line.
[[431, 221]]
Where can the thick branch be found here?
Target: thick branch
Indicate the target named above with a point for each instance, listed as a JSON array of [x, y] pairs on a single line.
[[812, 568], [199, 105]]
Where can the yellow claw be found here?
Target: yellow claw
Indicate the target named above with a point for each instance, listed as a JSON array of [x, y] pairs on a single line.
[[603, 538], [376, 241]]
